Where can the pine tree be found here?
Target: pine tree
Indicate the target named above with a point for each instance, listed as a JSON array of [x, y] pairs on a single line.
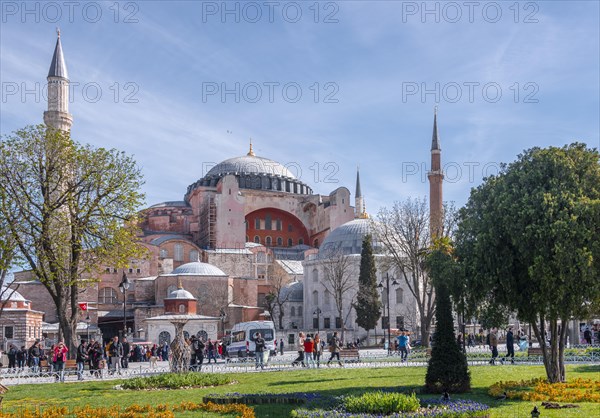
[[448, 369], [368, 304]]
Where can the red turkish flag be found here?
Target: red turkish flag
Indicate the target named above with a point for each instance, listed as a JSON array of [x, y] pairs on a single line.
[[83, 306]]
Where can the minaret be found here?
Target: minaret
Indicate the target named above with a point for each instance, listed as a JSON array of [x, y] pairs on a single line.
[[57, 115], [436, 177], [359, 203]]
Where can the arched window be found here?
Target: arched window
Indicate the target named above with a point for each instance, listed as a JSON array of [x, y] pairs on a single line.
[[178, 249], [280, 242], [171, 289], [164, 337], [261, 257], [257, 239], [300, 241], [107, 295], [278, 224], [194, 255], [315, 297], [290, 242], [268, 241], [299, 310], [182, 308], [293, 311], [326, 297], [164, 253], [203, 335], [315, 274], [399, 295]]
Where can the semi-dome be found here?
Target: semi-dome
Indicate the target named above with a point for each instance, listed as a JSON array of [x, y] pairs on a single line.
[[253, 172], [347, 239], [293, 292], [197, 268]]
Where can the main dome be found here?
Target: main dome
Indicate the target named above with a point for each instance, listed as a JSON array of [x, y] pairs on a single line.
[[347, 239], [253, 172]]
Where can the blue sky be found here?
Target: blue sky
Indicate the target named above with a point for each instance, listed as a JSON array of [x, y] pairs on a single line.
[[532, 69]]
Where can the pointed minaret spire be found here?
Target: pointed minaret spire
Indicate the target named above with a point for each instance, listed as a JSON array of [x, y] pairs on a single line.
[[251, 152], [436, 177], [435, 139], [359, 203], [57, 116]]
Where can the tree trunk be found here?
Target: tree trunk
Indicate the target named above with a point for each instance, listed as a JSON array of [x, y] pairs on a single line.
[[425, 329], [553, 355]]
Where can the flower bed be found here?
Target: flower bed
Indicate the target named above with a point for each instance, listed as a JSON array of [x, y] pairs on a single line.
[[576, 390], [429, 409], [132, 411], [176, 381]]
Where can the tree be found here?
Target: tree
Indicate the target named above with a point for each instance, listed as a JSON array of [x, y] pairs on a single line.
[[70, 210], [447, 370], [339, 281], [529, 240], [278, 295], [368, 305], [8, 253]]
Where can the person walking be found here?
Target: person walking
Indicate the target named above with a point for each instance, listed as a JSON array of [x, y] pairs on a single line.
[[60, 358], [510, 346], [493, 342], [211, 351], [334, 349], [309, 347], [259, 350], [22, 358], [12, 357], [281, 346], [403, 345], [81, 358], [35, 353], [300, 358], [115, 352], [126, 354], [318, 350]]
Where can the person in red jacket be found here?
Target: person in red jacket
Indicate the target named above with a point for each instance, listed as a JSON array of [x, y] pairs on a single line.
[[309, 347], [60, 358]]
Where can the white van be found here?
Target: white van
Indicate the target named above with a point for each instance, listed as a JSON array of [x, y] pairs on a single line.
[[243, 334]]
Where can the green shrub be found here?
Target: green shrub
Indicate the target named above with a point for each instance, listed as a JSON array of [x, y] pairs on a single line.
[[176, 381], [381, 403]]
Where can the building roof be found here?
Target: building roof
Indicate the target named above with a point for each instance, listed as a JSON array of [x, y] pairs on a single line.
[[229, 251], [180, 294], [58, 68], [165, 238], [11, 295], [347, 239], [196, 268], [182, 317], [292, 266], [435, 139], [293, 291], [250, 164], [177, 203]]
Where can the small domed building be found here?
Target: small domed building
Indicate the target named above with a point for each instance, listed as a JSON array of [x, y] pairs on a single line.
[[19, 323]]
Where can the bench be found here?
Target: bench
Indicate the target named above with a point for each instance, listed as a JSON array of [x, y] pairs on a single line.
[[534, 351], [351, 354], [69, 365]]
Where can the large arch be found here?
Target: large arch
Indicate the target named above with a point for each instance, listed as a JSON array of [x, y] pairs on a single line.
[[277, 225]]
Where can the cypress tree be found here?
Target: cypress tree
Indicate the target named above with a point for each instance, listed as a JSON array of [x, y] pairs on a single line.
[[448, 369], [368, 304]]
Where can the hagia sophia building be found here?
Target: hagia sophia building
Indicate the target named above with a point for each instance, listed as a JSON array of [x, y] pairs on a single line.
[[246, 224]]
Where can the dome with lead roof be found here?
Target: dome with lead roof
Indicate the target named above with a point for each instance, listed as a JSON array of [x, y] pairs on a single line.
[[196, 268], [253, 172], [347, 239], [181, 294]]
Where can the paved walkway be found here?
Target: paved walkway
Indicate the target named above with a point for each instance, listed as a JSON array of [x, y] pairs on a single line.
[[369, 359]]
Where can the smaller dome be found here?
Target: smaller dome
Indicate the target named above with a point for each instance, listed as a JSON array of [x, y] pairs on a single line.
[[181, 294], [347, 239], [12, 295], [197, 268], [293, 292]]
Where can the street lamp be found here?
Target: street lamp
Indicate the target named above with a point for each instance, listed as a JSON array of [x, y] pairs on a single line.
[[87, 320], [387, 294], [222, 315], [318, 313], [124, 286]]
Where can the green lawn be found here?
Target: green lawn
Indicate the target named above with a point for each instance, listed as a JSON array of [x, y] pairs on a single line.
[[334, 381]]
